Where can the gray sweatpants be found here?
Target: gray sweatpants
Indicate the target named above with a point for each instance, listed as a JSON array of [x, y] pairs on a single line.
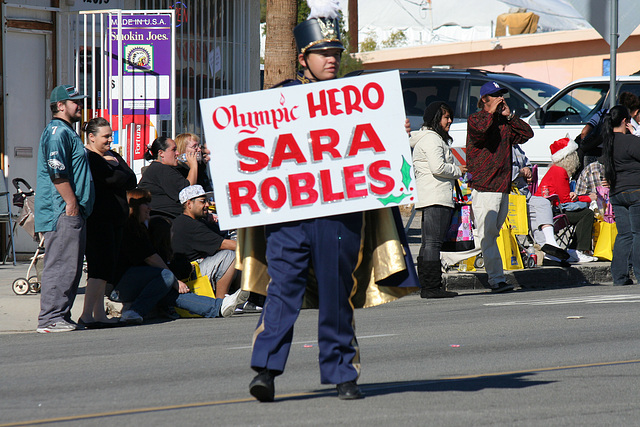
[[64, 252], [540, 214]]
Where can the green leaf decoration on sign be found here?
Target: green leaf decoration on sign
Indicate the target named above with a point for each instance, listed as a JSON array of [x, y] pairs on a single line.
[[406, 172], [392, 199], [405, 169]]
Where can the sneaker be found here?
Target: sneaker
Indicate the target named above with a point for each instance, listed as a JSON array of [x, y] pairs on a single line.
[[248, 307], [502, 287], [580, 257], [59, 326], [593, 258], [230, 302], [130, 317]]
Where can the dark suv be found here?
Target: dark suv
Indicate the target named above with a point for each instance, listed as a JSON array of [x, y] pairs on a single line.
[[461, 90]]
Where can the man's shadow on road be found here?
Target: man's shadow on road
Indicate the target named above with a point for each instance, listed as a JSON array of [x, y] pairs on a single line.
[[507, 381]]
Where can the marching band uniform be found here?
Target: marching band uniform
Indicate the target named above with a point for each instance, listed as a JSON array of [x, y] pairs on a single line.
[[334, 263]]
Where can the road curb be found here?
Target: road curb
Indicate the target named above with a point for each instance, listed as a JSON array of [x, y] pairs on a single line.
[[597, 273]]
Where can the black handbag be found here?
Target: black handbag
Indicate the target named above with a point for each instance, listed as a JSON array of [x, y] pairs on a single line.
[[459, 237]]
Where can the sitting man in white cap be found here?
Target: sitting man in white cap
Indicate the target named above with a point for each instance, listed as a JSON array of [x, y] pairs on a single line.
[[194, 239]]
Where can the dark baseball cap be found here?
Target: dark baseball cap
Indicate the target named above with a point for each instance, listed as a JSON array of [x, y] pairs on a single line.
[[64, 92], [492, 88]]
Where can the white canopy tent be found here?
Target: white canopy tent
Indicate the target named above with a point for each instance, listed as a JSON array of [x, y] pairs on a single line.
[[446, 21]]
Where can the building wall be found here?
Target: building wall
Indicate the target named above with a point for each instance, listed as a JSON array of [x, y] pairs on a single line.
[[557, 58]]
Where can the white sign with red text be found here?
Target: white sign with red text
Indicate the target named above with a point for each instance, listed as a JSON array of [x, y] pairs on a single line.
[[308, 151]]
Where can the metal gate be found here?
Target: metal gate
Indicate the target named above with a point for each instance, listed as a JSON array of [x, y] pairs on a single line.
[[216, 53], [123, 81]]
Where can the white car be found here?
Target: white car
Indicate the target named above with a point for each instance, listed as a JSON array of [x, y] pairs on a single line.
[[569, 110]]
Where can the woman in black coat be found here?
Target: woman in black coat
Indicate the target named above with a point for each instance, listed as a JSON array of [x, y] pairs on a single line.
[[112, 177]]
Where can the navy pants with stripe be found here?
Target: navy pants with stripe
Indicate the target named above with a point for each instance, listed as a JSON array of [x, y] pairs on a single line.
[[331, 245]]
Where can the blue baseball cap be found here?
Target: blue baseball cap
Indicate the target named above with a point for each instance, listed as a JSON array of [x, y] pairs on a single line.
[[492, 88]]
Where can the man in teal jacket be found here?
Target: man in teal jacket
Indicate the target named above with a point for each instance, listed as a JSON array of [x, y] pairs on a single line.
[[64, 199]]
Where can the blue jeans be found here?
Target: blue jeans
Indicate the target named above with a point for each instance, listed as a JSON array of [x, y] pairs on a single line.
[[146, 286], [435, 223], [626, 207]]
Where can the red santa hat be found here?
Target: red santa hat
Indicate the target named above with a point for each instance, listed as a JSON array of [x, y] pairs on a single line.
[[561, 149]]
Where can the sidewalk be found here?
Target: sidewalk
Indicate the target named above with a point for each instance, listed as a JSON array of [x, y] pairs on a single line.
[[19, 313], [593, 273]]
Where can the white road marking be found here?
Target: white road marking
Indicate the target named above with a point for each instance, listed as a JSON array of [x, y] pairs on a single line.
[[596, 299], [316, 342]]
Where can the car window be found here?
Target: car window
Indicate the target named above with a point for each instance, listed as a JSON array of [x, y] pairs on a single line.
[[514, 101], [420, 91], [539, 92], [634, 88], [577, 105]]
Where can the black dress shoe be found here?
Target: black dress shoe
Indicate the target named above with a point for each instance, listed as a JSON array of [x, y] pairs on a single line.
[[349, 391], [107, 325], [261, 387], [98, 325], [551, 263], [555, 251]]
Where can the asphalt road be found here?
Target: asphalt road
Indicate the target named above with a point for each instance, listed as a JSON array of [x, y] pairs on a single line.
[[565, 357]]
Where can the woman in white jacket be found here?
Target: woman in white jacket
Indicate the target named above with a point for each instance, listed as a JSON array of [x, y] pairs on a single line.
[[435, 175]]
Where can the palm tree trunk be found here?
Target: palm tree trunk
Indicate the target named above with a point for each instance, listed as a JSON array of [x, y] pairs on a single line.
[[280, 55], [353, 26]]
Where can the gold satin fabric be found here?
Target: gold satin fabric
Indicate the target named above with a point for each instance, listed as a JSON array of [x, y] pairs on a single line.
[[381, 256]]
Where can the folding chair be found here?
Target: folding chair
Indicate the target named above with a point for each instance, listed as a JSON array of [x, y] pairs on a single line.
[[5, 217], [562, 228]]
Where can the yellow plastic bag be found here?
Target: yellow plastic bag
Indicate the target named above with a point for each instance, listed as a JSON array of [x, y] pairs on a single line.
[[606, 237], [471, 263], [518, 217], [508, 247], [199, 285]]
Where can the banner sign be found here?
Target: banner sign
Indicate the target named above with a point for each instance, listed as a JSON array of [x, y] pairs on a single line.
[[140, 129], [309, 151], [146, 64]]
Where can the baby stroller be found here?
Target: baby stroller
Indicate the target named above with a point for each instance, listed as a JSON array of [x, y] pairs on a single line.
[[24, 199]]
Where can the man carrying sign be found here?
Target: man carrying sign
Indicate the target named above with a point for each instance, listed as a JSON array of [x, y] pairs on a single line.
[[332, 244]]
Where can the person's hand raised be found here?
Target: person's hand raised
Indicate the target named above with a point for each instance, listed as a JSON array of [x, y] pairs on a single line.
[[493, 103], [192, 160]]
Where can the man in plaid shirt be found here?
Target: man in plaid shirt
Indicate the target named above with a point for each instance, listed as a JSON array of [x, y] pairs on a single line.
[[491, 133], [592, 176]]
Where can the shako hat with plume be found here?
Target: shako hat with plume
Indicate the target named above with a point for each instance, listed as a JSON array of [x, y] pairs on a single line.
[[321, 29]]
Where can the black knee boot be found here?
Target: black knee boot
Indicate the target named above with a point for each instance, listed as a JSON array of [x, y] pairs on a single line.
[[430, 276]]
